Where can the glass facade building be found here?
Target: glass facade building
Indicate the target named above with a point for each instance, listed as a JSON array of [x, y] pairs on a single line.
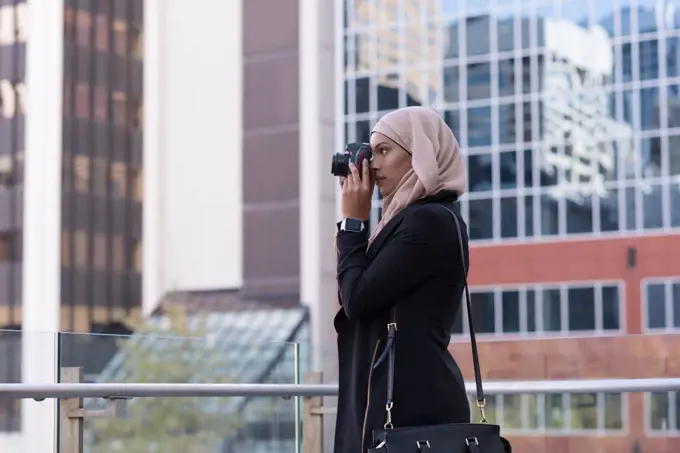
[[567, 113]]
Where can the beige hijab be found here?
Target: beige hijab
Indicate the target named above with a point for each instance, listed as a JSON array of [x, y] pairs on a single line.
[[436, 158]]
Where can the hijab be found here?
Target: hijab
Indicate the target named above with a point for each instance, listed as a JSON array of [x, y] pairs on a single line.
[[437, 163]]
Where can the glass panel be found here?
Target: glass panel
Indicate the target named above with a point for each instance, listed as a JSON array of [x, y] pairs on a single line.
[[479, 169], [584, 411], [610, 308], [609, 210], [656, 306], [581, 309], [613, 411], [554, 411], [10, 373], [552, 315], [227, 347], [675, 294], [510, 301], [531, 310], [27, 357], [508, 218], [652, 206], [483, 312], [659, 410], [512, 411], [481, 219], [549, 217]]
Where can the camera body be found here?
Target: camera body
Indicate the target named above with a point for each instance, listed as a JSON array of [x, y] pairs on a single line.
[[355, 153]]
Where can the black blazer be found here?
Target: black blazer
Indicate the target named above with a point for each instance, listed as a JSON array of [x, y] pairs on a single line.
[[414, 264]]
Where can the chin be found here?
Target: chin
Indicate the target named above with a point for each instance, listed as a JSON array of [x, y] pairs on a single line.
[[383, 192]]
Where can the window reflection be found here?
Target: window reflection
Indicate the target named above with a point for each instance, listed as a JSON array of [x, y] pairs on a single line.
[[481, 219], [675, 204], [652, 206], [549, 215], [575, 129], [509, 217], [479, 126], [479, 169]]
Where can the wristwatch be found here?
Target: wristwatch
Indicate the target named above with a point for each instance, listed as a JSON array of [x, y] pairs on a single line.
[[352, 225]]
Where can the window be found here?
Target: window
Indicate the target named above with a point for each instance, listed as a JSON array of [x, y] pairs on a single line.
[[663, 412], [137, 184], [12, 97], [118, 179], [120, 31], [82, 174], [65, 248], [662, 304], [136, 256], [100, 251], [557, 413], [80, 246], [13, 24], [545, 309], [10, 247]]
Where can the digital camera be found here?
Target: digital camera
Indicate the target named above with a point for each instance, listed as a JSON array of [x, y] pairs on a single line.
[[355, 153]]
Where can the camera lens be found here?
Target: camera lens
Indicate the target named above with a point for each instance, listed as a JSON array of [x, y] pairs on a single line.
[[340, 164]]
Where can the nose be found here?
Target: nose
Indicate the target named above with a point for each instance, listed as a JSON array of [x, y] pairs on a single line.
[[375, 161]]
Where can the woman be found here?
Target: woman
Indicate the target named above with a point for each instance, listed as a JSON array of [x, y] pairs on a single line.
[[410, 262]]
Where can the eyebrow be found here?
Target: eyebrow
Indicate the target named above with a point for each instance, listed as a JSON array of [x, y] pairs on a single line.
[[382, 144]]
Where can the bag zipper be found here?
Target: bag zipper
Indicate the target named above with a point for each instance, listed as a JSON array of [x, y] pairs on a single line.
[[368, 396]]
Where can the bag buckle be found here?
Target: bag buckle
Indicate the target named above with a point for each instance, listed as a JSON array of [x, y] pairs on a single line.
[[423, 444], [471, 441]]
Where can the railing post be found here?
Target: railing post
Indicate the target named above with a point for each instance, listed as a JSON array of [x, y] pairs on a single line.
[[70, 415], [312, 421]]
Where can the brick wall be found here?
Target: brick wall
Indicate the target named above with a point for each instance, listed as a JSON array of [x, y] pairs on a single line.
[[630, 356]]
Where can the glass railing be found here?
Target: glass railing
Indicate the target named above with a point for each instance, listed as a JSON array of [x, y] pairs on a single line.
[[606, 422], [187, 424]]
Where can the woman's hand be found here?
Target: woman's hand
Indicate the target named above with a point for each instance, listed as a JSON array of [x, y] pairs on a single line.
[[357, 193]]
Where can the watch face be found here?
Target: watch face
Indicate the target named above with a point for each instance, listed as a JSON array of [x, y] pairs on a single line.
[[353, 225]]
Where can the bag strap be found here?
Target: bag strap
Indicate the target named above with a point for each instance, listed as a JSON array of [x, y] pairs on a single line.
[[389, 349]]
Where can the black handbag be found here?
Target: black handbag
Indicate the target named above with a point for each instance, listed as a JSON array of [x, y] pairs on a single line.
[[445, 438]]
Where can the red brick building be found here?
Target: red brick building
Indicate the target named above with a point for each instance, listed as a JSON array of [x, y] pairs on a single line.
[[604, 424]]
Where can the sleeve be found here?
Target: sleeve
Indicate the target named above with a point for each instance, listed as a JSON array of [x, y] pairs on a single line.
[[409, 258]]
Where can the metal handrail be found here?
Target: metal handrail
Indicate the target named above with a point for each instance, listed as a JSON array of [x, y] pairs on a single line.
[[134, 390]]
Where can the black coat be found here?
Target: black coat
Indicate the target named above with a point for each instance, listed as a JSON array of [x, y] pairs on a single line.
[[415, 265]]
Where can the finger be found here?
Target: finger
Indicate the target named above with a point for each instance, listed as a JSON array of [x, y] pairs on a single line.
[[366, 176], [355, 173], [349, 182], [342, 181]]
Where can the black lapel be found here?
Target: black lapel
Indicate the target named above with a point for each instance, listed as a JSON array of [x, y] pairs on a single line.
[[387, 231]]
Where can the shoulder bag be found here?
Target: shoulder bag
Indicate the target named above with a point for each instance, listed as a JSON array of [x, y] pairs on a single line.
[[445, 438]]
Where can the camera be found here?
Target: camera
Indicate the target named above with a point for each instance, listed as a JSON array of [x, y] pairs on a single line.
[[355, 153]]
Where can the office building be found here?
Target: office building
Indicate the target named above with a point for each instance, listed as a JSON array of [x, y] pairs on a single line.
[[70, 180], [97, 174], [168, 152], [566, 115]]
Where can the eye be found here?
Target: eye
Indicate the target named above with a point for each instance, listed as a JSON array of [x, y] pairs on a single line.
[[382, 151]]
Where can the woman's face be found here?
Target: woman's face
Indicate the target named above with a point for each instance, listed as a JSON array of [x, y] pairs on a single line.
[[389, 164]]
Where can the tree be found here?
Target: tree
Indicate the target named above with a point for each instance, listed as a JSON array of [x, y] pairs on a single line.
[[172, 348]]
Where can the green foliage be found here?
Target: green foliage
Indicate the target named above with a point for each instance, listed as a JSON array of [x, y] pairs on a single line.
[[175, 350]]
